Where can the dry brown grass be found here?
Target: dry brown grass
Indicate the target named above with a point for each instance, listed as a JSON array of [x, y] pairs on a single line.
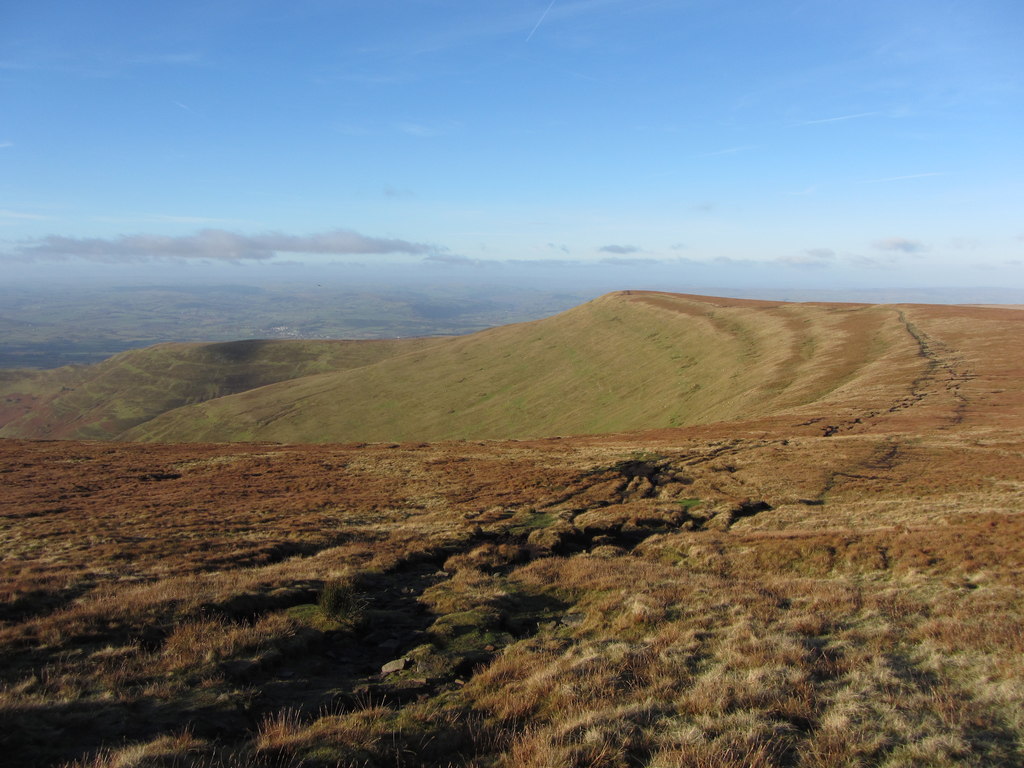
[[839, 625]]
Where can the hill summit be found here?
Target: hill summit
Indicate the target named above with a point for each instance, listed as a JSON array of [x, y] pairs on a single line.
[[627, 361]]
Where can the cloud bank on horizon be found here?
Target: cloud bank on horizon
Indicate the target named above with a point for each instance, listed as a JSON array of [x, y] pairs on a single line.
[[839, 143], [209, 244], [218, 246]]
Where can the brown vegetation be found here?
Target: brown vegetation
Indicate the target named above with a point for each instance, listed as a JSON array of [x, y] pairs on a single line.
[[764, 593]]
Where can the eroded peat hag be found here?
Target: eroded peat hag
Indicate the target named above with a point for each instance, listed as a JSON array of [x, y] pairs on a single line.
[[832, 581]]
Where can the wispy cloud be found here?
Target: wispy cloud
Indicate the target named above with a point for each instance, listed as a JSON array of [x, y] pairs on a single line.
[[965, 243], [899, 244], [188, 219], [148, 218], [452, 259], [810, 258], [8, 214], [6, 144], [869, 262], [839, 119], [820, 253], [173, 59], [728, 151], [901, 178], [354, 129], [489, 24], [621, 250], [427, 130], [396, 192], [97, 64], [618, 261], [540, 20], [209, 244], [582, 7], [366, 78], [545, 263], [416, 129]]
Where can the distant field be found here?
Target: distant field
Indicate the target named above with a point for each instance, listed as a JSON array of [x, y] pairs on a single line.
[[62, 326]]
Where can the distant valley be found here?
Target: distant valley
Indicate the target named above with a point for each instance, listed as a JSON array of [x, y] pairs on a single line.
[[47, 327]]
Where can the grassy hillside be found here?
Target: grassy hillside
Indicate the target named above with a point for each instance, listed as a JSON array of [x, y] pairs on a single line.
[[101, 401], [621, 362]]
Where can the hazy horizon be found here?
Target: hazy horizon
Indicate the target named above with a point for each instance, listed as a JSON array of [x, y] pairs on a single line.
[[579, 281], [55, 324]]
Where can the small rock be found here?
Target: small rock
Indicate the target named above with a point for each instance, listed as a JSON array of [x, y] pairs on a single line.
[[394, 666]]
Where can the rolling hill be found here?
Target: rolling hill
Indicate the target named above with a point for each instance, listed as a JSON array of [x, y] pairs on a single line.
[[101, 401], [625, 361]]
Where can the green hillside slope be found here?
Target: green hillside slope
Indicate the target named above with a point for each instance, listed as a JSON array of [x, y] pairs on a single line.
[[102, 401], [625, 361]]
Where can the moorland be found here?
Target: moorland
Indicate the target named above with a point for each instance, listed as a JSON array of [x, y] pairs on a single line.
[[654, 530]]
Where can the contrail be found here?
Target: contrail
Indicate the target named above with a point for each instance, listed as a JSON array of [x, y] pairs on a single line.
[[540, 20]]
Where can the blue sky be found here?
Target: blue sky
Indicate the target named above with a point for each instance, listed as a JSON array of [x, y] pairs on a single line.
[[795, 143]]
